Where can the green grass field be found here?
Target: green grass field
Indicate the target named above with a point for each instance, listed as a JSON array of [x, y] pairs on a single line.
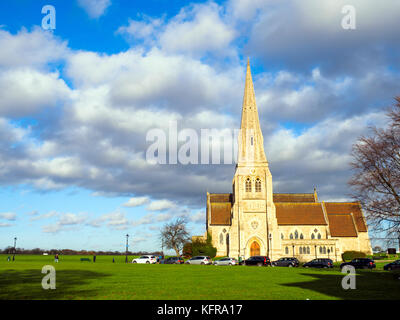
[[22, 278]]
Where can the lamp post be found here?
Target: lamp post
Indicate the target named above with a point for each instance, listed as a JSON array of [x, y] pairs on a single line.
[[293, 250], [15, 247], [126, 257], [315, 251], [335, 253], [270, 247]]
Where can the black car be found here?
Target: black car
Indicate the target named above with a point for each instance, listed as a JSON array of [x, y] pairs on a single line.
[[395, 265], [286, 262], [173, 260], [319, 263], [360, 263], [258, 261]]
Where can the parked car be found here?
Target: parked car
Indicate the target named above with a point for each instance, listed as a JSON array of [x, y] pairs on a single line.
[[145, 259], [360, 263], [392, 266], [173, 260], [286, 262], [226, 262], [199, 260], [319, 263], [258, 261]]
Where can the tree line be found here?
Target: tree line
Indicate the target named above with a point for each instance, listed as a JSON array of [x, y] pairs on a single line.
[[39, 251]]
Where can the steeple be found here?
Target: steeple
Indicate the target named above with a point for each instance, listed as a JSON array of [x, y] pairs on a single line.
[[251, 141]]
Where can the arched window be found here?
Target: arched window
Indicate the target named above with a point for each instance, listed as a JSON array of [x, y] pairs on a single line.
[[296, 235], [291, 236], [319, 236], [248, 185], [324, 250], [282, 237], [312, 236], [301, 250], [221, 238], [308, 250], [258, 185], [301, 236], [320, 250], [286, 250]]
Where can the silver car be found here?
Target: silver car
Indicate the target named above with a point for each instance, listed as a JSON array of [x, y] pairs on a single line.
[[199, 260], [226, 262]]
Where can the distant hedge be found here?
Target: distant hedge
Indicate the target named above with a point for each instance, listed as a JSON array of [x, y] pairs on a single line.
[[350, 255]]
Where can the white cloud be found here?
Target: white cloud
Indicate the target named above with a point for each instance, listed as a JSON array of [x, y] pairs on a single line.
[[198, 217], [135, 202], [65, 221], [96, 139], [94, 8], [68, 219], [30, 49], [4, 224], [145, 29], [315, 31], [115, 220], [11, 216], [198, 30], [43, 216], [160, 205], [26, 91]]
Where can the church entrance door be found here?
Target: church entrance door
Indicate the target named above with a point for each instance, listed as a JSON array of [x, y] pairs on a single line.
[[255, 249]]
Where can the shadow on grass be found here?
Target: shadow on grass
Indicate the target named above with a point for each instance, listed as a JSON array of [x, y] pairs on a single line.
[[27, 284], [370, 285]]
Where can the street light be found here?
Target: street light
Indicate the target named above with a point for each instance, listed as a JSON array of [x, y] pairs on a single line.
[[126, 257], [269, 247], [15, 247], [315, 251]]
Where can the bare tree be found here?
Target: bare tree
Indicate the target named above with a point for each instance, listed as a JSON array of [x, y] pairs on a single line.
[[376, 179], [174, 235]]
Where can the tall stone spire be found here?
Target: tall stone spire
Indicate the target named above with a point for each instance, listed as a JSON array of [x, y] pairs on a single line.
[[251, 141]]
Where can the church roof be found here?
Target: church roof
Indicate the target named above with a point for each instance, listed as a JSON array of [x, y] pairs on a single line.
[[220, 206], [342, 225], [348, 207], [305, 213], [294, 197], [221, 197]]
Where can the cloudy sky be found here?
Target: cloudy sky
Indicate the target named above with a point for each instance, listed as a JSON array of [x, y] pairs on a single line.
[[77, 102]]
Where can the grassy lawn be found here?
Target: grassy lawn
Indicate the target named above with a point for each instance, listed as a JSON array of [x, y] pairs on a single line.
[[22, 278]]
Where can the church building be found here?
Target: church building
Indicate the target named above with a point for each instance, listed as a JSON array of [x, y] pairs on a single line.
[[253, 220]]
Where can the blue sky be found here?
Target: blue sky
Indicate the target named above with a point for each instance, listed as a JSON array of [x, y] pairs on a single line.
[[78, 101]]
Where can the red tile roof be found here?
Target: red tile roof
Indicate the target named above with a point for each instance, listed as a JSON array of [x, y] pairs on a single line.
[[294, 197], [342, 225], [347, 207], [300, 214], [220, 206]]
